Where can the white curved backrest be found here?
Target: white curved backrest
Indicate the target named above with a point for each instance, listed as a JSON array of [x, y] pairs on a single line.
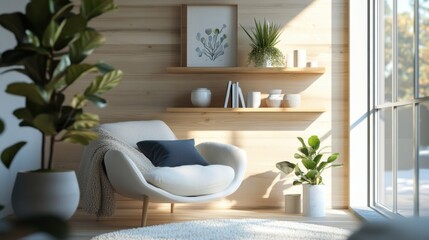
[[132, 132]]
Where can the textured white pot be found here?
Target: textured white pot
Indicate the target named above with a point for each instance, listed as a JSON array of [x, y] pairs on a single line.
[[41, 193], [313, 200]]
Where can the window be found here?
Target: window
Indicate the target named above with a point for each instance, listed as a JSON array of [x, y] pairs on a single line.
[[401, 103]]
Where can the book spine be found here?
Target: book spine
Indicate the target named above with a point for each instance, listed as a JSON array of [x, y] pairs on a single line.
[[240, 93], [227, 94], [234, 93]]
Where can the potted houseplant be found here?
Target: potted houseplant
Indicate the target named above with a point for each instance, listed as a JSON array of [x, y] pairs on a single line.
[[53, 40], [309, 173], [264, 38]]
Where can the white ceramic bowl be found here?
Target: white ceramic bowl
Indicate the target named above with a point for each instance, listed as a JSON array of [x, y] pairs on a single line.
[[201, 97], [292, 100], [274, 103], [275, 91]]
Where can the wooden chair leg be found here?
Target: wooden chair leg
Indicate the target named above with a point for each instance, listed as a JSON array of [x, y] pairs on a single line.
[[172, 208], [144, 210]]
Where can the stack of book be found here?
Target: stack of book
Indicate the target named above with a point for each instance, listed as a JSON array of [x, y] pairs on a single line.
[[233, 92]]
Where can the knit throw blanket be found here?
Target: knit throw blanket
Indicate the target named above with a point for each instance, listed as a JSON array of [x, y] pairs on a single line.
[[97, 194]]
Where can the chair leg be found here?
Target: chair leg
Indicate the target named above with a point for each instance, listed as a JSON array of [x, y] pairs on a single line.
[[172, 208], [144, 210]]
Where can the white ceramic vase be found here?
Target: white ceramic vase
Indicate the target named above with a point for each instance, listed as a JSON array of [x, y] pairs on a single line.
[[313, 200], [292, 100], [45, 193], [201, 97]]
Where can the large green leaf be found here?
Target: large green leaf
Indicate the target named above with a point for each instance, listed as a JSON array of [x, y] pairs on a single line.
[[303, 150], [78, 101], [29, 90], [312, 174], [302, 142], [15, 23], [76, 71], [24, 114], [52, 33], [333, 157], [314, 142], [317, 158], [9, 153], [104, 67], [98, 101], [285, 166], [73, 25], [35, 68], [79, 136], [30, 48], [14, 57], [59, 71], [85, 44], [85, 121], [93, 8], [308, 163], [321, 166], [39, 14], [46, 123], [104, 83]]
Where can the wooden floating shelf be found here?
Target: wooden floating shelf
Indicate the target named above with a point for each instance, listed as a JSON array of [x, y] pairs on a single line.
[[245, 110], [245, 70]]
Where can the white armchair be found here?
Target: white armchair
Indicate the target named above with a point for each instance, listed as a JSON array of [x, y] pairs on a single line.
[[128, 180]]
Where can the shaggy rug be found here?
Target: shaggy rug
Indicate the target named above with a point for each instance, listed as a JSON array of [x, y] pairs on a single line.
[[235, 229]]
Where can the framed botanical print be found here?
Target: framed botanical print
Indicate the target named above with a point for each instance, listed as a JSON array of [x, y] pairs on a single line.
[[209, 36]]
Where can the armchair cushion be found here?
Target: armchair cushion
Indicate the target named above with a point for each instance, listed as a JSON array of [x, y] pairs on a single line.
[[191, 180], [171, 153]]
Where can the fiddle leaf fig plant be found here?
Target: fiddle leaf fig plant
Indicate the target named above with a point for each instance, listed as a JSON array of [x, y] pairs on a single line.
[[53, 38], [311, 167]]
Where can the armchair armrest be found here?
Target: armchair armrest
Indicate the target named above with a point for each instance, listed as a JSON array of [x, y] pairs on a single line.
[[225, 154]]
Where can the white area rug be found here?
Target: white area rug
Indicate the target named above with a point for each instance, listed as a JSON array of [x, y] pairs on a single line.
[[235, 229]]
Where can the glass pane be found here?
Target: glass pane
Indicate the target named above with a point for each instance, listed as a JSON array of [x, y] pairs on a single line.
[[384, 161], [423, 48], [405, 175], [386, 53], [405, 50], [424, 160]]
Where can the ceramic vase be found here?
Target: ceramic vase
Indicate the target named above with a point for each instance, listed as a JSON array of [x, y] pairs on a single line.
[[201, 97]]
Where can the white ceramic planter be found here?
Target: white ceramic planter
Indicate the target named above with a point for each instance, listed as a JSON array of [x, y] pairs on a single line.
[[313, 200], [41, 193]]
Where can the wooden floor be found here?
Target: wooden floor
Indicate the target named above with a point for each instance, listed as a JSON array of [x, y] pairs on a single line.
[[84, 226]]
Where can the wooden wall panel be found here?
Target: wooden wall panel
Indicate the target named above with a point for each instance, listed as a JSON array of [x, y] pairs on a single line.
[[143, 39]]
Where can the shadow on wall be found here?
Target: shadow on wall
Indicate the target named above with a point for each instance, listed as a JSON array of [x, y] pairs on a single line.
[[261, 190]]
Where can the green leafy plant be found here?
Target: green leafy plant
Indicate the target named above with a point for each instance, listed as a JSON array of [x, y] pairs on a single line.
[[264, 38], [52, 43], [9, 153], [311, 159]]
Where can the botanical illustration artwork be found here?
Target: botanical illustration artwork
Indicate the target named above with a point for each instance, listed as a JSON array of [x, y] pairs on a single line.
[[209, 36], [213, 43]]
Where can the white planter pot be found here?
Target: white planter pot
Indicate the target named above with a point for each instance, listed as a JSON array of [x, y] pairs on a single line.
[[201, 97], [42, 193], [313, 200]]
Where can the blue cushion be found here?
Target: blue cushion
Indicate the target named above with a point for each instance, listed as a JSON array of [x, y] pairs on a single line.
[[172, 153]]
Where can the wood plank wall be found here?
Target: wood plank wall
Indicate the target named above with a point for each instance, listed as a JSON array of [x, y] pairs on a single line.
[[143, 39]]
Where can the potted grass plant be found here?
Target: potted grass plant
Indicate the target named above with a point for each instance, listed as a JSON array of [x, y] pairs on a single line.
[[264, 37], [53, 38], [309, 173]]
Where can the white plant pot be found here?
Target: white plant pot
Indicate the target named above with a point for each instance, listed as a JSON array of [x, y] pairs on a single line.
[[45, 193], [201, 97], [313, 200]]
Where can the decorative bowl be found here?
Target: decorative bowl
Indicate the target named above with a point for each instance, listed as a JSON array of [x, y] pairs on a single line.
[[274, 103]]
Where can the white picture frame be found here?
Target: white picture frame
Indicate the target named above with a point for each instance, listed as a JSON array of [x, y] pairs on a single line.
[[209, 36]]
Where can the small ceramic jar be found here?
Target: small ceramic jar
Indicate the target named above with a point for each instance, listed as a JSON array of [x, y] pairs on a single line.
[[201, 97], [275, 98], [292, 100]]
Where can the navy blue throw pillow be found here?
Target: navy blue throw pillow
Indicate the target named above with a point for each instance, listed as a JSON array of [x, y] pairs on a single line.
[[172, 153]]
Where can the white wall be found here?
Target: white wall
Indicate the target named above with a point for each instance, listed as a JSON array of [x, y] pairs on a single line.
[[29, 156]]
